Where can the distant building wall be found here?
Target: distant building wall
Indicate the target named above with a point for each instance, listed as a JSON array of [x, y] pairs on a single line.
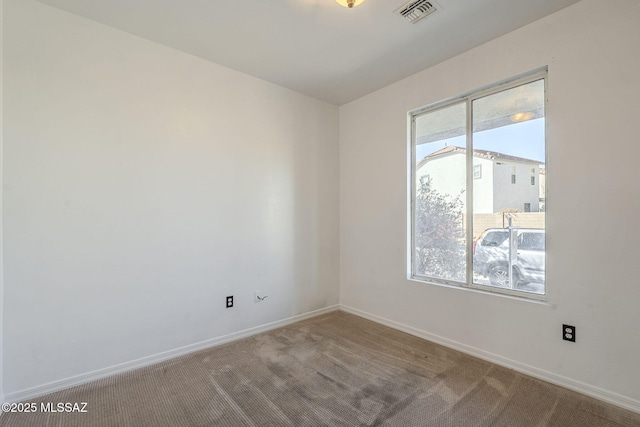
[[448, 175], [483, 191], [498, 220], [509, 195], [493, 186]]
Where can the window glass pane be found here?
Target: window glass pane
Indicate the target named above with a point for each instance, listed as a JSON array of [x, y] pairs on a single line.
[[440, 191], [532, 241], [508, 200]]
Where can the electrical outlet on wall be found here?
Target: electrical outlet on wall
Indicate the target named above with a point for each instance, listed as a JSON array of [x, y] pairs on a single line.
[[569, 333], [230, 301]]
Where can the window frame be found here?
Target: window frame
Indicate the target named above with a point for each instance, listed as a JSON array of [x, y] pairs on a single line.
[[467, 98]]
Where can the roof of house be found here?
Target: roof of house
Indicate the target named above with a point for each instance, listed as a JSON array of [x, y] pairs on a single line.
[[485, 154]]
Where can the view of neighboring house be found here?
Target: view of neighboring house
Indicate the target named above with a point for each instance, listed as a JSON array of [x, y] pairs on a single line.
[[500, 181]]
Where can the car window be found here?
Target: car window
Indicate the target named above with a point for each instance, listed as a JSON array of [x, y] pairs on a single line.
[[494, 238], [532, 241]]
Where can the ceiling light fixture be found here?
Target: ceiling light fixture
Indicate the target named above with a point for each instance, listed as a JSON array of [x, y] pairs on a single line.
[[349, 3], [521, 117], [520, 106]]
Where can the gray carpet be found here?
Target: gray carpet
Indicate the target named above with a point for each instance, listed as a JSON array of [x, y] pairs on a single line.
[[333, 370]]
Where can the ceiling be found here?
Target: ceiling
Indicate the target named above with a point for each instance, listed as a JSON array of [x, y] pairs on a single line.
[[316, 47]]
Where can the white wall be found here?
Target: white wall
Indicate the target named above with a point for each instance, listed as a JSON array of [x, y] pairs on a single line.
[[592, 55], [141, 187]]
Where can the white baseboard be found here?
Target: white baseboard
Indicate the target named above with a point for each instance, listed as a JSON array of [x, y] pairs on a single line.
[[54, 386], [580, 387]]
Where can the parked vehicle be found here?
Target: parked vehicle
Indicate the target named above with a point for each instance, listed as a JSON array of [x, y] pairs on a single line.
[[491, 256]]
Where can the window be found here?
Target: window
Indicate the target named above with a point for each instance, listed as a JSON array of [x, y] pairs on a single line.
[[477, 171], [467, 228]]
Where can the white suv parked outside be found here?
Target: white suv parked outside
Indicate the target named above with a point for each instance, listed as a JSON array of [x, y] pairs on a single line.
[[491, 256]]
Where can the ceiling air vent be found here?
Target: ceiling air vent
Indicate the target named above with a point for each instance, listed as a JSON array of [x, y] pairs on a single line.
[[415, 10]]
